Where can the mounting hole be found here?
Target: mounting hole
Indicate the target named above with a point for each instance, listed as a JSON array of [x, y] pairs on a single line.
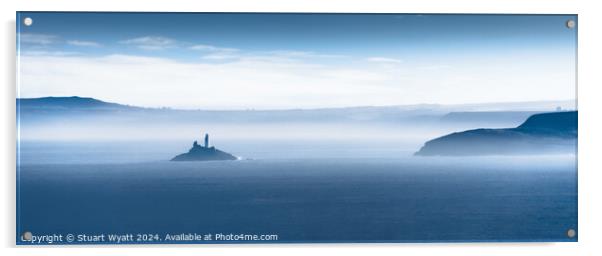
[[571, 233], [27, 21], [27, 236], [570, 23]]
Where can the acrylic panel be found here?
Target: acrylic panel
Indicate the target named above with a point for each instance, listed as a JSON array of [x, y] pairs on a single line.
[[196, 128]]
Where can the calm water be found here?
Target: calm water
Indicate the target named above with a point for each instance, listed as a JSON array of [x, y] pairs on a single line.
[[333, 198]]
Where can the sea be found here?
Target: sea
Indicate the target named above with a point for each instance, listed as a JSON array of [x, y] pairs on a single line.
[[288, 192]]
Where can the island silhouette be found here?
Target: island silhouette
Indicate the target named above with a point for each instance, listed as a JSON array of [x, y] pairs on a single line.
[[204, 153]]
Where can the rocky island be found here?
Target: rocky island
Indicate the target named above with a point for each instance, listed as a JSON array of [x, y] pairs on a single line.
[[547, 133], [204, 153]]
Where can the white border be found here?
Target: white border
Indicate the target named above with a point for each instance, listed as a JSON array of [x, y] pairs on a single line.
[[590, 130]]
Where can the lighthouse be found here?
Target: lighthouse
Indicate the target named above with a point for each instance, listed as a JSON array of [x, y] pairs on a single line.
[[202, 152]]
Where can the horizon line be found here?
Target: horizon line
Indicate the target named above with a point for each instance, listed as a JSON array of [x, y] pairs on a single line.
[[314, 108]]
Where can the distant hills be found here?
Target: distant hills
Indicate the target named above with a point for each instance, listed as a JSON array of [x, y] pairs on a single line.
[[540, 134], [488, 117], [78, 107], [67, 104], [82, 108]]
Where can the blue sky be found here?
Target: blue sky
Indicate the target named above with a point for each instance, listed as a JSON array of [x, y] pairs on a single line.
[[296, 60]]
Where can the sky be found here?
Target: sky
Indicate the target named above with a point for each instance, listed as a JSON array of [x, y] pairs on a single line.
[[283, 61]]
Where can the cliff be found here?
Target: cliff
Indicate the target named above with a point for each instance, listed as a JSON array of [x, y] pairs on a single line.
[[547, 133]]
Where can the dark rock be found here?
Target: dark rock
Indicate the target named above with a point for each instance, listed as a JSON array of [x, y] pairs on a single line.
[[204, 153]]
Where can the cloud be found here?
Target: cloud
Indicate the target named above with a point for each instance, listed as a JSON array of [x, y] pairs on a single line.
[[211, 48], [44, 40], [83, 43], [302, 54], [384, 60], [151, 42], [281, 81], [278, 55], [262, 83], [434, 67], [217, 53], [39, 39], [48, 53], [220, 56]]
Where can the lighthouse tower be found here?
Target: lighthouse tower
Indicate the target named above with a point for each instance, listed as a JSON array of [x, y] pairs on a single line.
[[206, 140]]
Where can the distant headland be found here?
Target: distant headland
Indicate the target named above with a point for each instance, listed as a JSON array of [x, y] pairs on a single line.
[[204, 153], [547, 133]]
